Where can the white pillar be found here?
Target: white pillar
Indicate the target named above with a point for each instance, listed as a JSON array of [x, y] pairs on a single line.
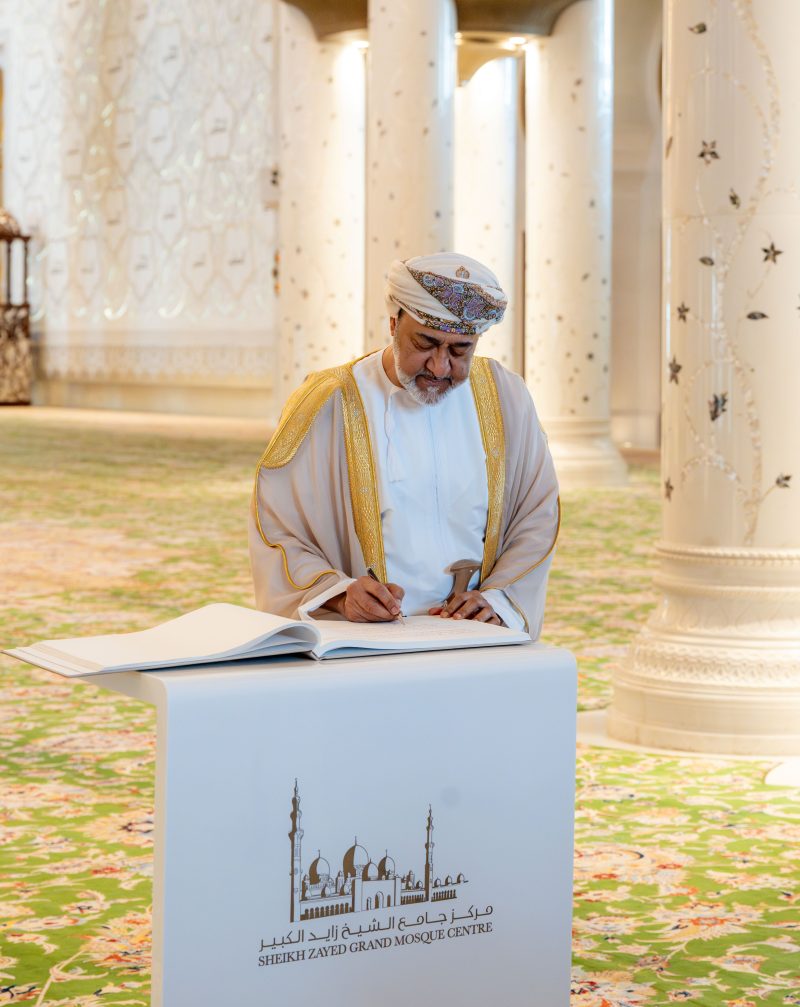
[[488, 203], [321, 216], [411, 79], [718, 666], [569, 98], [636, 268]]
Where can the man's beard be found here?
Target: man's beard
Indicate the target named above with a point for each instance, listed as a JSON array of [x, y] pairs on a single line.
[[424, 396]]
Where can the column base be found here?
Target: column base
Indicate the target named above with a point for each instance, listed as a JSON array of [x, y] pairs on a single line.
[[584, 454], [717, 669]]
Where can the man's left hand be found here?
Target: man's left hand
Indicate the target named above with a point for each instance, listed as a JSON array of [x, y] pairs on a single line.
[[468, 605]]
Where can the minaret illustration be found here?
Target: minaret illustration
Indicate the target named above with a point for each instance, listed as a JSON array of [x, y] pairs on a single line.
[[429, 856], [296, 838], [360, 885]]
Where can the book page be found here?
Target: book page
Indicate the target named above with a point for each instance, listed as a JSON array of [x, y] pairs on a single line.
[[215, 630], [417, 632]]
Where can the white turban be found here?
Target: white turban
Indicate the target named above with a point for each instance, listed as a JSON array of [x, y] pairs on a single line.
[[446, 291]]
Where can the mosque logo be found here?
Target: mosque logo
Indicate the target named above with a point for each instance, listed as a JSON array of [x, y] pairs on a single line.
[[360, 885]]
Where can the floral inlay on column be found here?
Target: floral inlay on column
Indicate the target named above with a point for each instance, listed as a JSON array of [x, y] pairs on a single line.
[[733, 292], [717, 667]]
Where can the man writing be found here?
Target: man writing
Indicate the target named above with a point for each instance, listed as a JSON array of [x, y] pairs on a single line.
[[406, 462]]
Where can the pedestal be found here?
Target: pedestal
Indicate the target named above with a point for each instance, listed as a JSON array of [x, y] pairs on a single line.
[[393, 830]]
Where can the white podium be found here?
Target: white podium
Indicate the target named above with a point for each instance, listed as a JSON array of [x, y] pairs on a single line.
[[380, 831]]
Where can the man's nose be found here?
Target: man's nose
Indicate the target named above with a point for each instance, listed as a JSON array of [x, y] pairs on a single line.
[[439, 362]]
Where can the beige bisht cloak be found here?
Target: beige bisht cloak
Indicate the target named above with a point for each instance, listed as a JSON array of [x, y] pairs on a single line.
[[316, 517]]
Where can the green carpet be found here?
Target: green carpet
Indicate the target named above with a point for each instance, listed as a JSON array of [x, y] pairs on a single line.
[[686, 869]]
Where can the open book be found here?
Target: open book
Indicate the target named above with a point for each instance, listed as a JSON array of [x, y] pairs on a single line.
[[231, 633]]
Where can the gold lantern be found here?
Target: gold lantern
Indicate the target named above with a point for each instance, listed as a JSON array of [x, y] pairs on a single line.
[[15, 343]]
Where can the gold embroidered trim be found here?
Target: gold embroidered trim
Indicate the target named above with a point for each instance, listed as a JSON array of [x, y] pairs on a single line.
[[502, 587], [361, 469], [490, 419], [299, 413], [520, 613], [277, 545]]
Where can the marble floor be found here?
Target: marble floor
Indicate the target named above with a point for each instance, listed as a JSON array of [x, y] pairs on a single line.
[[686, 868]]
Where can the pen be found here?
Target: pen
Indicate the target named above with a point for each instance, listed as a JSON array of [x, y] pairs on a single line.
[[371, 573]]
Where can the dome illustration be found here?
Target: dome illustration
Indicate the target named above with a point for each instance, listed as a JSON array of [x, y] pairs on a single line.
[[355, 860], [9, 226], [386, 867], [320, 870], [370, 872]]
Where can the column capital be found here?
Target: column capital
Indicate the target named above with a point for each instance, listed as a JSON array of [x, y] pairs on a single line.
[[534, 17], [476, 49], [331, 17]]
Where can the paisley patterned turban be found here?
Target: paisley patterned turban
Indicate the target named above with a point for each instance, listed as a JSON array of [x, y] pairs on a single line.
[[446, 291]]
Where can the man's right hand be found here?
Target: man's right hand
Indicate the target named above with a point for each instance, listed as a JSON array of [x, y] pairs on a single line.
[[367, 600]]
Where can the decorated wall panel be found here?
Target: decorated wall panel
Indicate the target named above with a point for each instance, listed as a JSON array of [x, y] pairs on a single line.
[[144, 138]]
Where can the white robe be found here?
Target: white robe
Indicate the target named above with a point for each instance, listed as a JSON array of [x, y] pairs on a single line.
[[304, 543], [432, 487]]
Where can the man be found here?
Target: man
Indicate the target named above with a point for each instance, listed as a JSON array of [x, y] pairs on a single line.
[[405, 462]]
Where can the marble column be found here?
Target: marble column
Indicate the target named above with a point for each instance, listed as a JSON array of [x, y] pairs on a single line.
[[488, 201], [569, 98], [718, 666], [321, 213], [411, 80], [636, 266]]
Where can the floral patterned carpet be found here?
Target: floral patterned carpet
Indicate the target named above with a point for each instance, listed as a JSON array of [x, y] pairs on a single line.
[[686, 883]]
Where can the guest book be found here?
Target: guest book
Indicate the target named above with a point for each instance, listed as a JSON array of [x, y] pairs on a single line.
[[224, 632]]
